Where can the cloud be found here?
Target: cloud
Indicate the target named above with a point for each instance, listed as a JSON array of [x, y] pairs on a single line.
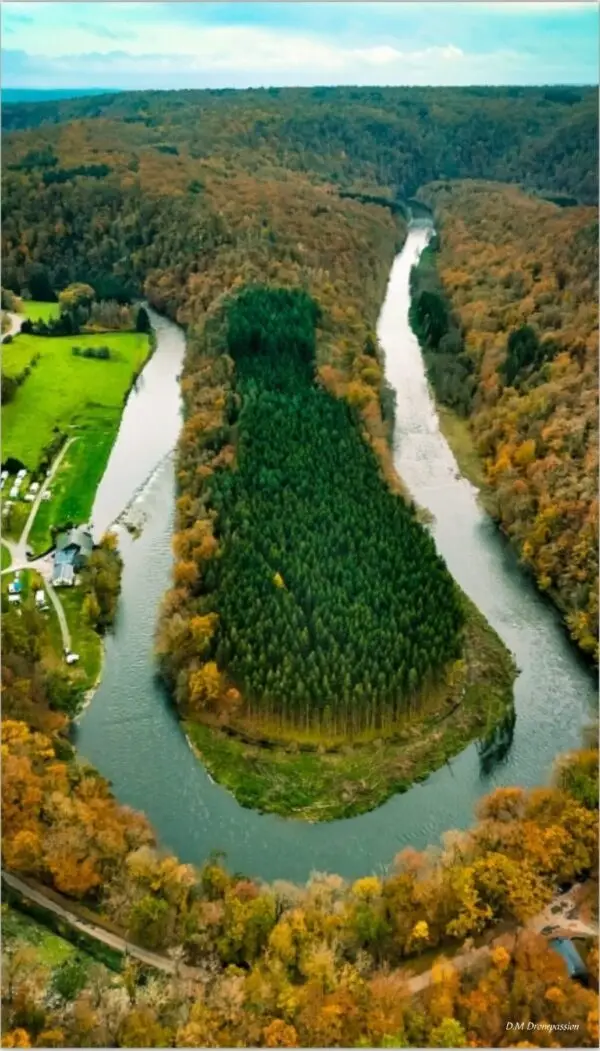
[[261, 64], [258, 44], [103, 32]]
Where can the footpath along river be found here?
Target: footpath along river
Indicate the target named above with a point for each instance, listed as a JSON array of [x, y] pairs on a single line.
[[130, 731]]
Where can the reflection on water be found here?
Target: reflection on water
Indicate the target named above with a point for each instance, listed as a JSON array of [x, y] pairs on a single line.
[[494, 748], [131, 733]]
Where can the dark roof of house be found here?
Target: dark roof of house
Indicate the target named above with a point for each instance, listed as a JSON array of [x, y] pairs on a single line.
[[77, 537], [568, 951]]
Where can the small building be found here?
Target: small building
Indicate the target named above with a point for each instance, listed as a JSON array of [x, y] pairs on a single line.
[[575, 965], [76, 545], [72, 658], [14, 597], [33, 488], [15, 587]]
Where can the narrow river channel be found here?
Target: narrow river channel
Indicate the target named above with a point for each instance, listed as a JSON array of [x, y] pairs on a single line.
[[131, 734]]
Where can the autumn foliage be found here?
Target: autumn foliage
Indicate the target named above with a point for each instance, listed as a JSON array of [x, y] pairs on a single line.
[[281, 965], [521, 279]]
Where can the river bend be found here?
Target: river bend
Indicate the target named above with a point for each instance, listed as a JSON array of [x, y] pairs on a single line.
[[130, 731]]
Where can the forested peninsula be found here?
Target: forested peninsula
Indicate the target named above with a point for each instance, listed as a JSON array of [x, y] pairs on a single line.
[[213, 205]]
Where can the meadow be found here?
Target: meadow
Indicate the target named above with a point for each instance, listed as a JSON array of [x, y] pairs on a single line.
[[35, 310], [62, 388], [71, 395]]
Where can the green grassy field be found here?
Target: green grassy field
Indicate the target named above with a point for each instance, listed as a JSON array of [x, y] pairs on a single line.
[[62, 389], [84, 640], [79, 397], [76, 480], [6, 559], [38, 311]]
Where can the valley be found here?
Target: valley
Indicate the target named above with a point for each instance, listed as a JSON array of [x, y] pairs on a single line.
[[326, 726]]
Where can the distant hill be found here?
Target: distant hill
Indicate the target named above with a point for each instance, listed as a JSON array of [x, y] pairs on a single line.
[[10, 95], [364, 139]]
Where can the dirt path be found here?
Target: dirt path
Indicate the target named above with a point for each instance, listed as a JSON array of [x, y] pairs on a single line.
[[21, 544], [16, 320], [60, 613]]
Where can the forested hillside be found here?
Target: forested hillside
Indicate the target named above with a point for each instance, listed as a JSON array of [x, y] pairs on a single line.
[[511, 338], [398, 138]]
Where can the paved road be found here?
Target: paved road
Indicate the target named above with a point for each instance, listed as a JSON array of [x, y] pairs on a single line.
[[563, 905]]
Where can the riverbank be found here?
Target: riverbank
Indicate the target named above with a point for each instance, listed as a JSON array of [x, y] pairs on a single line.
[[316, 778], [458, 434]]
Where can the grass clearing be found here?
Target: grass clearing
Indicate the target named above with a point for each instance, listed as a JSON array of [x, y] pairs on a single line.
[[52, 951], [14, 522], [84, 640], [5, 558], [354, 778], [35, 310], [74, 485], [74, 396], [62, 390]]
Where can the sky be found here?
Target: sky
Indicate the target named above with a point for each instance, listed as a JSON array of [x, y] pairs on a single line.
[[195, 45]]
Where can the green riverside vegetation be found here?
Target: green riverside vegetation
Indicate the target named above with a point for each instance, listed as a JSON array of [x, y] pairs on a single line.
[[64, 395]]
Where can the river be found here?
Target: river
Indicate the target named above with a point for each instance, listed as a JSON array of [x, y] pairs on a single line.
[[130, 731]]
